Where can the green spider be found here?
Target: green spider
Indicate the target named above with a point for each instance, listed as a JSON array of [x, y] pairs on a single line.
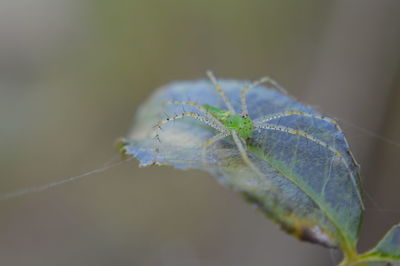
[[241, 127]]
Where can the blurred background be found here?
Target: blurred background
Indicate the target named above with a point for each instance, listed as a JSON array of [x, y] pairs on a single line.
[[72, 74]]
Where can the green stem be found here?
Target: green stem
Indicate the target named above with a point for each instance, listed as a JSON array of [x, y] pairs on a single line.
[[360, 259], [350, 254]]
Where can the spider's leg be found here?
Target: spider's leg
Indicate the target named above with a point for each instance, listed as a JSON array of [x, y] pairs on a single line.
[[323, 144], [245, 157], [157, 126], [243, 142], [295, 113], [188, 114], [304, 114], [220, 91], [243, 92], [210, 142], [209, 116], [301, 133]]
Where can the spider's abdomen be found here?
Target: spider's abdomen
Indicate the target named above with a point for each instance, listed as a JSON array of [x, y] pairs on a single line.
[[219, 114], [243, 125]]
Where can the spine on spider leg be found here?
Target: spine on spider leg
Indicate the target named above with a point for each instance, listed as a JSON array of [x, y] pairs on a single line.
[[156, 135], [210, 112], [246, 159], [212, 123], [220, 91], [319, 117]]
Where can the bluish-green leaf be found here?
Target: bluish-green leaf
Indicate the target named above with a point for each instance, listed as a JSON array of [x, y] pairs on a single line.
[[387, 250], [304, 187]]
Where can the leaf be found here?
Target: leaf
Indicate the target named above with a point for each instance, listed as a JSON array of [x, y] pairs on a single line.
[[387, 250], [303, 188]]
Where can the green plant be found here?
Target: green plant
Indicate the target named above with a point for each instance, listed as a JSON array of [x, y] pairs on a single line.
[[292, 162]]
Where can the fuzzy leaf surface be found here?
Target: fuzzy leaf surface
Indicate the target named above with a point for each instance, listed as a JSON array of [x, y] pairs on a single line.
[[304, 188]]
